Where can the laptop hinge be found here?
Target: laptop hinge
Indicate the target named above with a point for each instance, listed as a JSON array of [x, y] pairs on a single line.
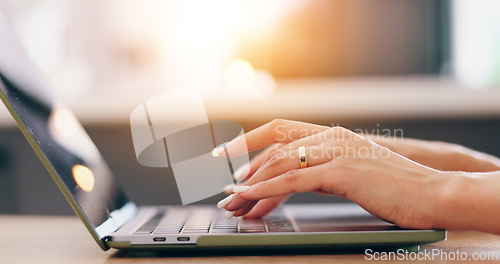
[[117, 219]]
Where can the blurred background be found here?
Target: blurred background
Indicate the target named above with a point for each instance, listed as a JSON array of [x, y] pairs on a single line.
[[429, 68]]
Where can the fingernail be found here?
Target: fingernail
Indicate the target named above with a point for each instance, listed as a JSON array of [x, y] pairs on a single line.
[[217, 151], [228, 188], [242, 172], [240, 188], [225, 201], [230, 214]]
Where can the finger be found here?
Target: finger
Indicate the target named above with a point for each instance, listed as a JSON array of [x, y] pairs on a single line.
[[246, 171], [276, 131], [294, 181], [255, 163], [311, 140], [274, 156], [263, 207], [280, 163], [329, 150], [246, 208]]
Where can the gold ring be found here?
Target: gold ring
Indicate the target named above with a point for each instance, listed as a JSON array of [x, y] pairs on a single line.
[[302, 157]]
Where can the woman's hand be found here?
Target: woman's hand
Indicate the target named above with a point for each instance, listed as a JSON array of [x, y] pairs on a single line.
[[286, 131], [341, 163], [374, 176]]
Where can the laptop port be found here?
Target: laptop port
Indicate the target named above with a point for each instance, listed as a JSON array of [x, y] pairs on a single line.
[[183, 239], [159, 239]]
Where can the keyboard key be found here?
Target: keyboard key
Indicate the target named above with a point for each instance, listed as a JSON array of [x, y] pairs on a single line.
[[252, 230], [193, 231], [225, 231]]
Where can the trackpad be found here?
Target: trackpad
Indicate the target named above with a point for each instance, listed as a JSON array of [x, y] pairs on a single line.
[[335, 217]]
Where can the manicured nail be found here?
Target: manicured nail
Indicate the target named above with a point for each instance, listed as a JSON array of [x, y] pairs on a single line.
[[240, 188], [225, 201], [217, 151], [242, 172], [230, 214]]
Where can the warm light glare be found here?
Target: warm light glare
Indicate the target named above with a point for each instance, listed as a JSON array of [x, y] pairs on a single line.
[[65, 122], [198, 36], [83, 177], [239, 76], [265, 15]]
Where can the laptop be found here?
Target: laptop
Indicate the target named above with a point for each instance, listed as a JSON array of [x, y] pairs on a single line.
[[114, 221]]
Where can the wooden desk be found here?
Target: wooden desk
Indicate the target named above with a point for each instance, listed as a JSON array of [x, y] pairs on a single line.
[[49, 239]]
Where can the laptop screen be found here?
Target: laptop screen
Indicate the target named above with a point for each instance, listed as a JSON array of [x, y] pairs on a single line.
[[59, 139]]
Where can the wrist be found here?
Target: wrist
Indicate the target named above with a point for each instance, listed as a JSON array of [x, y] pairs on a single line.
[[456, 201]]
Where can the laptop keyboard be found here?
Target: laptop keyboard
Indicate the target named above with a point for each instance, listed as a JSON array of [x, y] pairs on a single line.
[[203, 220]]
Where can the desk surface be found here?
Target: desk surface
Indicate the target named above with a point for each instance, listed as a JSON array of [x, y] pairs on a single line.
[[34, 239]]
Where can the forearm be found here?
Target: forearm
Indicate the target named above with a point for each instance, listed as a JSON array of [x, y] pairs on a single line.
[[469, 201], [475, 161], [451, 157], [440, 155]]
